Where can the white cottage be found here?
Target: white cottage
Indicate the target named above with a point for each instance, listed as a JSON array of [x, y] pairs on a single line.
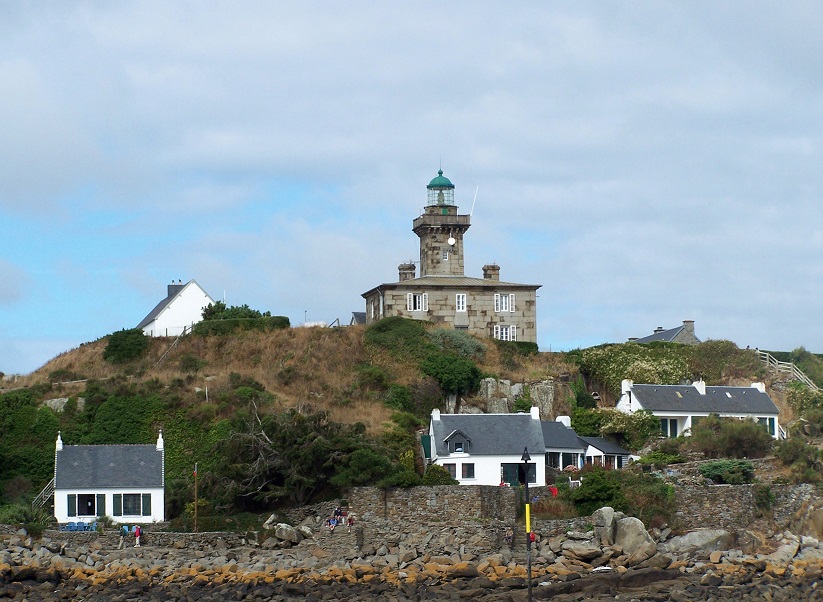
[[487, 449], [178, 312], [124, 482], [679, 407]]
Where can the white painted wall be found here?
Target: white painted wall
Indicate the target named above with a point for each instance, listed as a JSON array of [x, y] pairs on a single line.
[[487, 469], [158, 505], [185, 310]]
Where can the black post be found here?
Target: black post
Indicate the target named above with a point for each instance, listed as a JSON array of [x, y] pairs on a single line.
[[526, 459]]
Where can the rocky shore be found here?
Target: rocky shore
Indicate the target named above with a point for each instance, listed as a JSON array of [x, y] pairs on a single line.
[[617, 559]]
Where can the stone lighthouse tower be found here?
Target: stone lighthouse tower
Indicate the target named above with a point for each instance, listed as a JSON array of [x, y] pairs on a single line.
[[441, 231]]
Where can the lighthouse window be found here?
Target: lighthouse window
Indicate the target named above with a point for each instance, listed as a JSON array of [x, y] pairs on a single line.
[[445, 255]]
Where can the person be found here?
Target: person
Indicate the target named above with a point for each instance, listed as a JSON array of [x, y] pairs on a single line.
[[338, 513], [332, 523], [509, 536], [137, 533], [350, 521]]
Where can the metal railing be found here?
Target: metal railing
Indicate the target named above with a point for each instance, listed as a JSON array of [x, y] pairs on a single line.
[[786, 367], [44, 495]]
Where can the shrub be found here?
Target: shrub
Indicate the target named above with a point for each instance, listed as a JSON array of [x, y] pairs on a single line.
[[399, 397], [191, 364], [804, 459], [370, 377], [454, 374], [763, 499], [437, 475], [729, 472], [587, 423], [581, 398], [125, 346], [458, 342], [632, 430], [729, 437], [399, 336], [401, 478], [659, 459]]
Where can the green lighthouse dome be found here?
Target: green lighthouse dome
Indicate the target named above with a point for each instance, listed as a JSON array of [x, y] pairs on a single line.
[[441, 190]]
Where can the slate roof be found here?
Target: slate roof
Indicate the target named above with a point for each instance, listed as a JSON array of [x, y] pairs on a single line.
[[557, 436], [105, 466], [686, 398], [663, 335], [451, 282], [604, 445], [358, 317], [491, 434]]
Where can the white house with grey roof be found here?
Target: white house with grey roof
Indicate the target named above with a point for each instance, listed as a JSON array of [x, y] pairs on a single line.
[[562, 445], [679, 407], [178, 312], [124, 482], [486, 449], [443, 294]]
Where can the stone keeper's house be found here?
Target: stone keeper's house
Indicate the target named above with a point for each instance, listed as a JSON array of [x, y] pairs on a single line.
[[443, 294]]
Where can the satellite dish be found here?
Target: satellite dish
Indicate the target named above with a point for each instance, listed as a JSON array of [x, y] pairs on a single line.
[[451, 241]]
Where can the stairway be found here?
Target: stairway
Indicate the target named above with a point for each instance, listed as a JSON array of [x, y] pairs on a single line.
[[44, 495]]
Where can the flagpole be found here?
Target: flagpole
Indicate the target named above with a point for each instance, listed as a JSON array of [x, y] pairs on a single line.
[[195, 497]]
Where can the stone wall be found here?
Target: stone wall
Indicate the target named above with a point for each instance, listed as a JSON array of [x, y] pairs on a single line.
[[715, 506], [452, 504]]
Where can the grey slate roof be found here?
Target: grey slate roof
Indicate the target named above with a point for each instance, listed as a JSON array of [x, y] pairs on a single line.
[[491, 434], [557, 436], [606, 446], [451, 282], [663, 335], [99, 466], [686, 398], [358, 317]]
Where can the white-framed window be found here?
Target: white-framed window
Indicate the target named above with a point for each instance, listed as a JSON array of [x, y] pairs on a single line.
[[505, 333], [460, 302], [372, 310], [503, 302], [417, 302], [446, 255]]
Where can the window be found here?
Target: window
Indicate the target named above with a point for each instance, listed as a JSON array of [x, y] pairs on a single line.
[[417, 302], [553, 460], [505, 333], [131, 504], [446, 255], [503, 303], [452, 468], [72, 504], [85, 504], [768, 423], [468, 471], [668, 427], [460, 301], [513, 473]]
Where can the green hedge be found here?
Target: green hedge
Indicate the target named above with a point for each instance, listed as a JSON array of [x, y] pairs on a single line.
[[224, 327]]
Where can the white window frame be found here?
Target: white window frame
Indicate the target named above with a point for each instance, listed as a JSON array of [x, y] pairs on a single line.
[[417, 302], [503, 303], [460, 302], [445, 255], [505, 333]]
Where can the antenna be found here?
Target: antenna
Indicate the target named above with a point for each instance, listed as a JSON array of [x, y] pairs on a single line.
[[474, 201]]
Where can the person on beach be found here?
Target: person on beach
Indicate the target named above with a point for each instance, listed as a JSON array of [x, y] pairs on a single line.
[[332, 523], [509, 536], [137, 533]]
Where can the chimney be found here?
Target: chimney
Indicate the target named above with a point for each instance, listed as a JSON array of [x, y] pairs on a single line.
[[173, 288], [565, 421], [436, 414], [688, 326], [700, 385], [160, 443], [535, 412], [491, 272], [759, 386], [407, 271], [59, 445]]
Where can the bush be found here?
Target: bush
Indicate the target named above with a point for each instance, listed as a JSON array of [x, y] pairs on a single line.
[[400, 336], [729, 472], [730, 438], [804, 459], [437, 475], [226, 326], [659, 459], [454, 374], [399, 397], [125, 346], [458, 342]]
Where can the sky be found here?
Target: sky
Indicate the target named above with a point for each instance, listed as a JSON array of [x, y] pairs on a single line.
[[647, 163]]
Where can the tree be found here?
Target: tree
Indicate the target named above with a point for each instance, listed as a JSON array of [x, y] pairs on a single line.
[[455, 374], [438, 475], [125, 346]]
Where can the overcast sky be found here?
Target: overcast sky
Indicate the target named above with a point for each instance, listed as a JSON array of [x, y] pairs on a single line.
[[645, 162]]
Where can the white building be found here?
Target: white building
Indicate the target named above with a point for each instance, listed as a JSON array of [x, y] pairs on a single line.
[[124, 482], [178, 312], [679, 406], [487, 449]]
